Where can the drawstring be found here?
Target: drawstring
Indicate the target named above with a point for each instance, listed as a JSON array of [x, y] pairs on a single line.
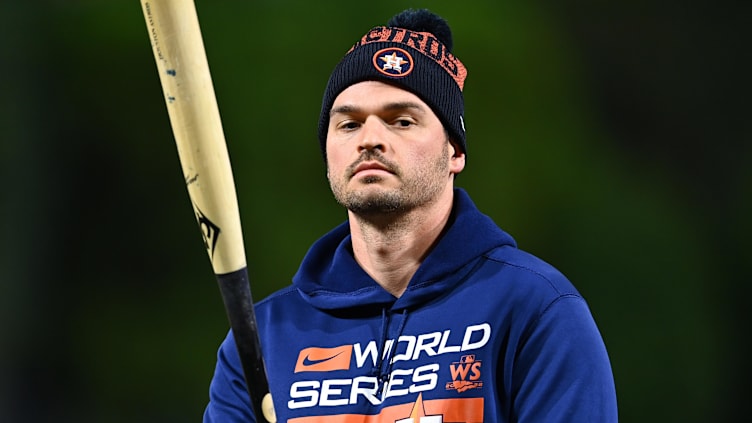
[[396, 339], [385, 357], [382, 345]]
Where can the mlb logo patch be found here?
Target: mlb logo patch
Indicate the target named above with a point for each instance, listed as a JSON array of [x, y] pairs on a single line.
[[393, 61]]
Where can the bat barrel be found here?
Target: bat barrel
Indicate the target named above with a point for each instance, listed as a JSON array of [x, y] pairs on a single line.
[[196, 124]]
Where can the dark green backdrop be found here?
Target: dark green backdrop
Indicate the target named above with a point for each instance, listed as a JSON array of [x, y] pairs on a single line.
[[612, 140]]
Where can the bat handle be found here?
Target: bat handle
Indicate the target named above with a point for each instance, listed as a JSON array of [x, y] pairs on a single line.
[[236, 294]]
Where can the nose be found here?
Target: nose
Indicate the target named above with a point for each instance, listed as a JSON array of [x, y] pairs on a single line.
[[372, 135]]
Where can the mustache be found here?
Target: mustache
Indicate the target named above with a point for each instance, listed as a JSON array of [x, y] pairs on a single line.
[[373, 155]]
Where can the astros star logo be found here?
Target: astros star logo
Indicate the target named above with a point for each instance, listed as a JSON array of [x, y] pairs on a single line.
[[393, 61]]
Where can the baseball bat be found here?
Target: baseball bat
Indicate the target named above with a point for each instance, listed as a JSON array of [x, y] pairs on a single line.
[[197, 128]]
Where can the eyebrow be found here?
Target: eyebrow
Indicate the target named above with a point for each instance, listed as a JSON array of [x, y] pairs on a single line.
[[400, 105]]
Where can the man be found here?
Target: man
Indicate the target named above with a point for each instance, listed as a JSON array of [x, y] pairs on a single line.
[[418, 308]]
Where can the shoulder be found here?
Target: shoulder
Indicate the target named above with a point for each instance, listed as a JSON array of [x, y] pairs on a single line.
[[526, 270], [279, 301], [523, 284], [283, 294]]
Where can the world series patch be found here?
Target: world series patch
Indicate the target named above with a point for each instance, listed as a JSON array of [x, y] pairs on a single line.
[[393, 61]]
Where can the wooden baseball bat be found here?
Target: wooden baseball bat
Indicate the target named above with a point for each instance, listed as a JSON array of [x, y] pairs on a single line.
[[194, 115]]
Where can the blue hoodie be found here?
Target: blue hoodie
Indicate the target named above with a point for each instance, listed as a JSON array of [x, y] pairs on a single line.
[[484, 332]]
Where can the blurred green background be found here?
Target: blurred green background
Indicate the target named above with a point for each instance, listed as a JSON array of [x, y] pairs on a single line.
[[611, 139]]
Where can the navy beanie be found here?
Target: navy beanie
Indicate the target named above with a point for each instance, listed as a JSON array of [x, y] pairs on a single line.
[[412, 52]]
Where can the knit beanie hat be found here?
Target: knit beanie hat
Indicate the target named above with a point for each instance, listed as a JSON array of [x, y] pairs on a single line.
[[412, 52]]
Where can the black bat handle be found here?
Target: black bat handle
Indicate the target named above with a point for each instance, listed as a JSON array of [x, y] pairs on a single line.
[[236, 294]]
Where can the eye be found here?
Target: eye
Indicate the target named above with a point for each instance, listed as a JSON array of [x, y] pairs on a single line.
[[404, 122], [348, 125]]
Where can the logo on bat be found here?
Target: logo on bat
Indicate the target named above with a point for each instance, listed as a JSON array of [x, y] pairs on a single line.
[[209, 231]]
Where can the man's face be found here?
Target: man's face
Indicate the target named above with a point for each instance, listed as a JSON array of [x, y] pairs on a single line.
[[387, 152]]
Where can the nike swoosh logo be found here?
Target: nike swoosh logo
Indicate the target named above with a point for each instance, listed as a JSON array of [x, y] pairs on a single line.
[[307, 361]]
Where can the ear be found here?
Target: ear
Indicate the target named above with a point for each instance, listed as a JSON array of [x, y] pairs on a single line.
[[456, 159]]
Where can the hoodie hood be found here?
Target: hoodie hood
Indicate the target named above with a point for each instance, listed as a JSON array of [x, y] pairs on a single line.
[[329, 278]]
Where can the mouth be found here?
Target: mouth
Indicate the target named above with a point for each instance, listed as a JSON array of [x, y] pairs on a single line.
[[370, 168]]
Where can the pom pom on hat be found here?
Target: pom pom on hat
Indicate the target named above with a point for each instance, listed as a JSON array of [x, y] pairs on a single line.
[[423, 20]]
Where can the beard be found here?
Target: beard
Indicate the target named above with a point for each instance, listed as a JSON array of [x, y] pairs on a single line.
[[420, 184]]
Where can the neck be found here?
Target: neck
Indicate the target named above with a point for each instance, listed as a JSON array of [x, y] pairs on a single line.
[[391, 248]]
